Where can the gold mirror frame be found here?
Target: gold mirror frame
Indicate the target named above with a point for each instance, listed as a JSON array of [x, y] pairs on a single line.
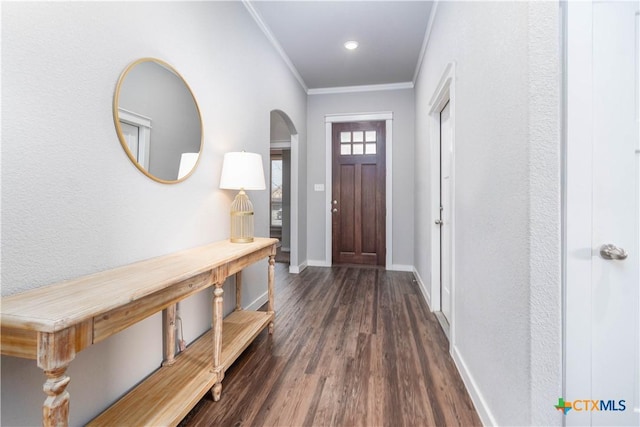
[[117, 119]]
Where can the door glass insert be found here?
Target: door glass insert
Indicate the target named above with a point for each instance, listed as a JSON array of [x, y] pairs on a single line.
[[358, 143], [370, 136], [370, 148]]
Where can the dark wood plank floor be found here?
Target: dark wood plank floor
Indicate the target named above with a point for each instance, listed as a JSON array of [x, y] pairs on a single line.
[[352, 346]]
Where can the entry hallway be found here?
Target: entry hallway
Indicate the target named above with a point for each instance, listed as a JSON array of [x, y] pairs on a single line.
[[352, 346]]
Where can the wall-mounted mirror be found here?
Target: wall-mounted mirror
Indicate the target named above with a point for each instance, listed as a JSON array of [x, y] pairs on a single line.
[[158, 120]]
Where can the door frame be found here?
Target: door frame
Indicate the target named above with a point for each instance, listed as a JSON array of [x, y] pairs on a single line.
[[329, 119], [444, 92]]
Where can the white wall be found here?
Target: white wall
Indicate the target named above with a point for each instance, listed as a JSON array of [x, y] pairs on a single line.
[[73, 204], [401, 103], [507, 198]]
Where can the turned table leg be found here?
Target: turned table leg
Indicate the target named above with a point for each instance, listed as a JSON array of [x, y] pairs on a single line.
[[271, 290], [55, 352], [216, 391]]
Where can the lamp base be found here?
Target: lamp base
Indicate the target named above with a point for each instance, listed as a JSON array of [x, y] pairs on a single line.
[[245, 240], [241, 219]]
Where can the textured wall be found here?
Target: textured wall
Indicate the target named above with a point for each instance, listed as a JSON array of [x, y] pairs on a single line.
[[545, 183], [73, 204], [401, 103], [507, 145]]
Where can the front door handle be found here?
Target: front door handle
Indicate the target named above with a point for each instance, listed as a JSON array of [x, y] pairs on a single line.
[[610, 251], [334, 210]]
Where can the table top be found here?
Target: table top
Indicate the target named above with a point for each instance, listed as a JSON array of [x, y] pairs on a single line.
[[55, 307]]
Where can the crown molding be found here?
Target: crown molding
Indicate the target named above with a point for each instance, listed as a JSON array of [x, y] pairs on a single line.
[[267, 32], [360, 88]]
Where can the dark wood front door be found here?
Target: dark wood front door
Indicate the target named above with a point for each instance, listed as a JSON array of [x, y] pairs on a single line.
[[358, 203]]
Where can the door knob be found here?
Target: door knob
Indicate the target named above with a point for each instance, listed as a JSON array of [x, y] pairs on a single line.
[[334, 210], [438, 222], [610, 251], [335, 202]]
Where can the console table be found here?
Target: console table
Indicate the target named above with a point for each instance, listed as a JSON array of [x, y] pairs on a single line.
[[52, 323]]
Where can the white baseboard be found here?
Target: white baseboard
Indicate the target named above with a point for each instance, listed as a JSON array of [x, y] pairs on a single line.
[[297, 269], [258, 302], [400, 267], [486, 417], [318, 263], [423, 288]]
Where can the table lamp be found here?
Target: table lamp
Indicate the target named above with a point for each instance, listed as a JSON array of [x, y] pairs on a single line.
[[242, 171]]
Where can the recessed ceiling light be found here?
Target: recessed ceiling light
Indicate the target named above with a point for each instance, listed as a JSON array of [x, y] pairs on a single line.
[[351, 44]]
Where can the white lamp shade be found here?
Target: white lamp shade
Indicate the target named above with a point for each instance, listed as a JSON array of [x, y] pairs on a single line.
[[242, 170]]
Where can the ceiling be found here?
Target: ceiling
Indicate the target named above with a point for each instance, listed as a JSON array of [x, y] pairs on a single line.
[[310, 36]]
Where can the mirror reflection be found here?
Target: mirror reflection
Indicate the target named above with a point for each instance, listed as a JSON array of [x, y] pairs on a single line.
[[158, 120]]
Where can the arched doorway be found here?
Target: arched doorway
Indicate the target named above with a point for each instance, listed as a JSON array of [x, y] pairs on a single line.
[[284, 187]]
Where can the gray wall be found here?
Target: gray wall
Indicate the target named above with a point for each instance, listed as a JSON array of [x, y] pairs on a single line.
[[401, 103], [507, 309], [279, 131], [72, 202]]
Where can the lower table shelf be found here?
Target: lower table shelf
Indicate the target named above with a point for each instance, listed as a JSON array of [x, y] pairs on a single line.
[[167, 395]]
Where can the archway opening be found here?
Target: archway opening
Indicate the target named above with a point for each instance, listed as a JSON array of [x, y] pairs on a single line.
[[283, 220]]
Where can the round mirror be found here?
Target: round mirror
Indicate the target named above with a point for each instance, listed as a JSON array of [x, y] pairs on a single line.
[[158, 120]]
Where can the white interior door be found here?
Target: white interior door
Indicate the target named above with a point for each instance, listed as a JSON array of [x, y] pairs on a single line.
[[602, 356], [446, 147], [614, 371]]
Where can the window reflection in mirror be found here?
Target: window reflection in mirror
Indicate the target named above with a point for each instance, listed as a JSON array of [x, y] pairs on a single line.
[[157, 120]]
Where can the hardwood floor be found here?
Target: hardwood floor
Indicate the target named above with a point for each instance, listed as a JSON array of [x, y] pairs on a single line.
[[352, 346]]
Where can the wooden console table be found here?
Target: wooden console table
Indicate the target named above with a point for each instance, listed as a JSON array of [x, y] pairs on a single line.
[[52, 323]]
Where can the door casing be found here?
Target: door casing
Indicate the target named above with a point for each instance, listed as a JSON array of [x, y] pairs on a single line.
[[443, 94], [387, 116], [446, 214]]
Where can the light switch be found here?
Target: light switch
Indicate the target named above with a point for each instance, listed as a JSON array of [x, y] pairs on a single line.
[[318, 187]]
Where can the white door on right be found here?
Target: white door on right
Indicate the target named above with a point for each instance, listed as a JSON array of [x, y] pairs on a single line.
[[615, 322], [602, 353]]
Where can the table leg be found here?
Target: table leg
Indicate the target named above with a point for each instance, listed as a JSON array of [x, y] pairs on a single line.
[[55, 352], [239, 291], [169, 326], [217, 340], [271, 290]]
